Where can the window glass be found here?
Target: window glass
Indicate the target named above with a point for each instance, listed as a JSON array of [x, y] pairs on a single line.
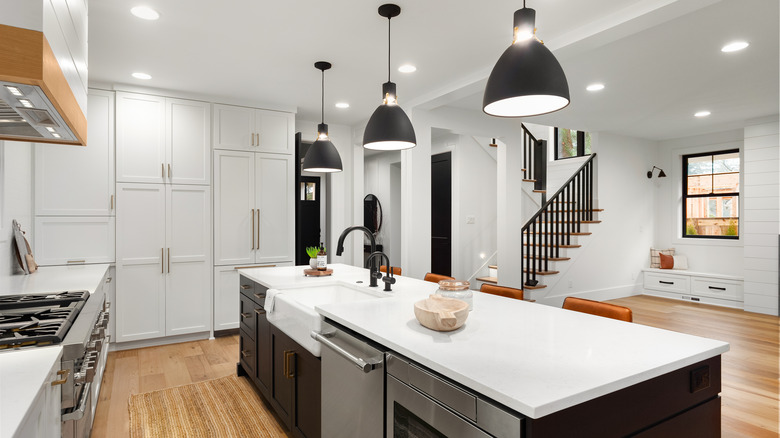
[[711, 195]]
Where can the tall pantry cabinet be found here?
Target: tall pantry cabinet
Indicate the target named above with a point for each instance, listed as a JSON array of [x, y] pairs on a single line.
[[254, 214], [163, 216]]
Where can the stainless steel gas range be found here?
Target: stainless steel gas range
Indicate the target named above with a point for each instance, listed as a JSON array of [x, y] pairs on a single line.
[[76, 320]]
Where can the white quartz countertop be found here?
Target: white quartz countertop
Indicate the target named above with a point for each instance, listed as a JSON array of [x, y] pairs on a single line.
[[54, 279], [22, 376], [533, 358]]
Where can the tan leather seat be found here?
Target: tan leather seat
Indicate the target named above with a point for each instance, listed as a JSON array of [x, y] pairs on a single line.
[[396, 270], [598, 308], [435, 278], [503, 291]]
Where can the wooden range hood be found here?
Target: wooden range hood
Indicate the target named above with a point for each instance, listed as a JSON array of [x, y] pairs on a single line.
[[27, 59]]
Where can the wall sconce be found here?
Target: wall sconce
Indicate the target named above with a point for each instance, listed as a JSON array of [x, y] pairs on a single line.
[[661, 174]]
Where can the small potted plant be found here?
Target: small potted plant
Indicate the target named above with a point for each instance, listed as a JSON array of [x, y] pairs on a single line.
[[312, 251]]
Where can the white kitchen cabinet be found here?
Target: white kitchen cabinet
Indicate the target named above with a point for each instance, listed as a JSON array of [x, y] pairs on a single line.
[[253, 208], [163, 260], [226, 294], [79, 181], [64, 240], [249, 129], [717, 289], [162, 140]]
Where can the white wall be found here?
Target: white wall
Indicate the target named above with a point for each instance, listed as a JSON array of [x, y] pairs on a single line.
[[379, 179], [704, 255], [761, 217], [16, 170], [609, 263]]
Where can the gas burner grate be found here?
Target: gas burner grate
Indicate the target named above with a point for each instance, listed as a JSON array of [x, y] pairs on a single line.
[[42, 299]]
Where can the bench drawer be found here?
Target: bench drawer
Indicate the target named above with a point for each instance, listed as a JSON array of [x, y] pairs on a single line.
[[666, 282], [725, 289]]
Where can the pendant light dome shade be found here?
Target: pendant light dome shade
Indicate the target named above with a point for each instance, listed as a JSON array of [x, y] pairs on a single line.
[[389, 128], [527, 80], [322, 155]]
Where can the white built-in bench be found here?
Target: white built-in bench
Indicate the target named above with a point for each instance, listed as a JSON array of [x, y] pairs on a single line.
[[717, 289]]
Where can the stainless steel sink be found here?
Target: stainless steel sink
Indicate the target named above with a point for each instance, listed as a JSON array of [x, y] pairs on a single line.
[[294, 312]]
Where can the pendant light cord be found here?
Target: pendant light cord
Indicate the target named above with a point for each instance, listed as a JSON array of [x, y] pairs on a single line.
[[388, 49], [322, 109]]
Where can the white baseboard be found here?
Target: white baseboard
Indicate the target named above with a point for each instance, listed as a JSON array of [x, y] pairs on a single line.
[[119, 346]]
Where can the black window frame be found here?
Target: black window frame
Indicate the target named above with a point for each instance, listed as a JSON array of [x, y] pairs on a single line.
[[685, 195], [580, 145]]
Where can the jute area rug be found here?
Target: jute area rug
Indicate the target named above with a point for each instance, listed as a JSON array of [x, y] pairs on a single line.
[[224, 407]]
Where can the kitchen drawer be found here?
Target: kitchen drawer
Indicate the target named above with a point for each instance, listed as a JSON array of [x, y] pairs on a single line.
[[247, 286], [667, 282], [725, 289], [247, 316], [248, 353]]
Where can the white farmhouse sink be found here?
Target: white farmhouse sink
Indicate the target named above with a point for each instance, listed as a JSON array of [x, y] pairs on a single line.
[[294, 312]]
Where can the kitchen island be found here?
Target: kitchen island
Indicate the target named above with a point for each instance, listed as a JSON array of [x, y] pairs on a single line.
[[564, 371]]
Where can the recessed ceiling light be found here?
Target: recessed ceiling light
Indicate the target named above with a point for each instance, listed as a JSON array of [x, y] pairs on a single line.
[[342, 105], [145, 12], [143, 76], [734, 47], [595, 87], [407, 68], [702, 114]]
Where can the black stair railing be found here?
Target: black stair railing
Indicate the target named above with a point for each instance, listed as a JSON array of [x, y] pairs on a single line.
[[552, 226], [529, 143]]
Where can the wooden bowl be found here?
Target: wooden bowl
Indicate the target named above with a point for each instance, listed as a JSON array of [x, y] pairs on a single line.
[[440, 313]]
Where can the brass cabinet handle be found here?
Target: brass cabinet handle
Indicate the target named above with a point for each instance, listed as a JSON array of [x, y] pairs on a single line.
[[112, 202], [259, 297], [258, 139], [66, 373], [289, 368], [75, 261], [260, 311], [254, 266], [170, 174], [253, 229], [245, 353], [258, 228], [246, 315], [169, 260], [162, 260], [245, 286], [162, 166]]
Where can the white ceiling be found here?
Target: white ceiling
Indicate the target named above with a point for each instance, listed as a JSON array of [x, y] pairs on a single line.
[[660, 59]]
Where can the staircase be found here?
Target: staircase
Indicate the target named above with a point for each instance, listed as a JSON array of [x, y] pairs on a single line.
[[551, 236]]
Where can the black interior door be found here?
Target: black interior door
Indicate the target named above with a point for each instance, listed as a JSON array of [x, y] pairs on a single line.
[[441, 213], [307, 206]]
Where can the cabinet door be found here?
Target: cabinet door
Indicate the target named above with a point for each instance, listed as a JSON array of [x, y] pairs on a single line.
[[188, 141], [234, 213], [283, 353], [225, 298], [79, 181], [306, 411], [140, 268], [275, 130], [63, 240], [140, 138], [263, 351], [234, 128], [274, 178], [188, 259]]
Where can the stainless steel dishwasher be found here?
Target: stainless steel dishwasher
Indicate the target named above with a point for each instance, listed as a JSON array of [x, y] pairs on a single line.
[[353, 379]]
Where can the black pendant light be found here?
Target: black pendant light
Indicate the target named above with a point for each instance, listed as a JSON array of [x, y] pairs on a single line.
[[322, 155], [527, 80], [389, 129]]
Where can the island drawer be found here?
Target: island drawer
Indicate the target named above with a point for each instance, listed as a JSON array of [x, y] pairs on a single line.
[[716, 288], [247, 315], [247, 352], [667, 282]]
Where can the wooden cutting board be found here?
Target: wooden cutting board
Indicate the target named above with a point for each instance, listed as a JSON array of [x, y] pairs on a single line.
[[23, 253]]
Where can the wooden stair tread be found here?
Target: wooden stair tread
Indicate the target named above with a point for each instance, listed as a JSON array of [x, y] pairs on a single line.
[[540, 191], [492, 280], [529, 180], [545, 272], [493, 266], [538, 286]]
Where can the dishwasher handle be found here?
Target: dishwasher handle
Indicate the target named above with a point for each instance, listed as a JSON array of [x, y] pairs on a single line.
[[365, 366]]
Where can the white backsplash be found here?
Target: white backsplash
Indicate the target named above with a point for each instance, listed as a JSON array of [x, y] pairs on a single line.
[[16, 179]]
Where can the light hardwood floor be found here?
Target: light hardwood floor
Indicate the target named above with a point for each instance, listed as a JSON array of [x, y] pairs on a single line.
[[750, 368], [749, 395]]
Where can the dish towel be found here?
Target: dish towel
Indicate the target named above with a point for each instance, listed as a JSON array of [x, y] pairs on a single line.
[[270, 294]]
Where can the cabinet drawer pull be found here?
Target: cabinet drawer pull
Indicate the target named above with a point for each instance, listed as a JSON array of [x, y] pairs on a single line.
[[112, 202], [260, 311], [75, 261], [170, 174], [246, 286], [259, 296], [246, 315], [253, 229], [66, 373], [258, 228], [289, 364], [162, 260], [245, 353], [255, 266], [665, 282], [169, 260], [162, 166], [717, 288]]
